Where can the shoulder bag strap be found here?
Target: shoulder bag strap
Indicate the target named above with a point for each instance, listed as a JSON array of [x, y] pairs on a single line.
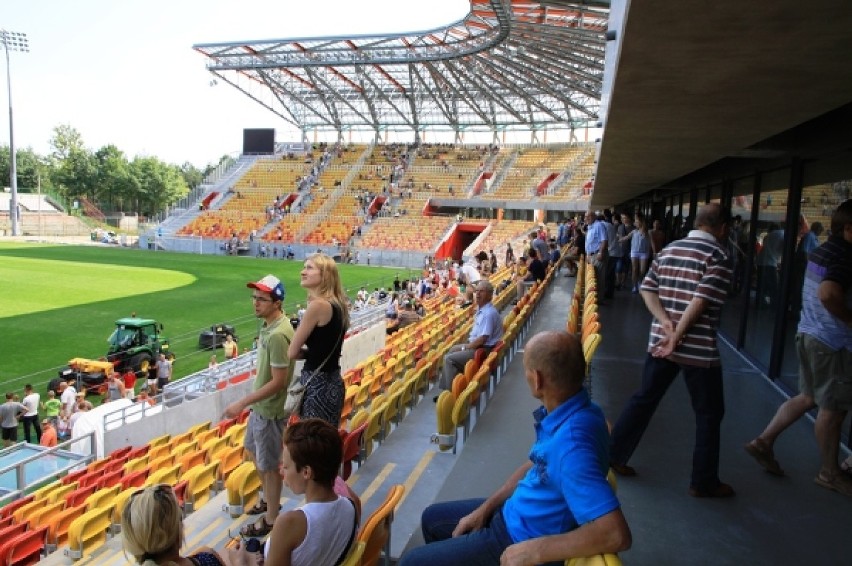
[[351, 536]]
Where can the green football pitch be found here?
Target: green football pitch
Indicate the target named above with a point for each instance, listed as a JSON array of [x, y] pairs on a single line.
[[61, 301]]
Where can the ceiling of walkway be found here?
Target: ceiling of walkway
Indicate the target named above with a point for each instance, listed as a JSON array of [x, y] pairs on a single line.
[[698, 82]]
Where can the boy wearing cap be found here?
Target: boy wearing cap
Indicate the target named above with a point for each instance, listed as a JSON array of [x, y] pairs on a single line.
[[264, 432]]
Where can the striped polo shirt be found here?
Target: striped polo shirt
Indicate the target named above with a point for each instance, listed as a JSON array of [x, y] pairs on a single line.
[[832, 261], [696, 266]]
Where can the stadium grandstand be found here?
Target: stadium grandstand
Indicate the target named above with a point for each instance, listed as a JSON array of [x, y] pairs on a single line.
[[651, 107]]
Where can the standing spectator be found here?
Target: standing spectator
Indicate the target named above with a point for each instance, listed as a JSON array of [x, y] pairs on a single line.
[[322, 329], [487, 330], [556, 505], [68, 397], [640, 251], [658, 238], [230, 348], [30, 419], [493, 259], [615, 254], [510, 254], [683, 338], [264, 431], [129, 379], [768, 261], [10, 412], [164, 371], [52, 407], [48, 435], [115, 388], [824, 345], [597, 249]]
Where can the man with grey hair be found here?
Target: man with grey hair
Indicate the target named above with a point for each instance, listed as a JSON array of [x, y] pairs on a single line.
[[684, 291], [486, 332]]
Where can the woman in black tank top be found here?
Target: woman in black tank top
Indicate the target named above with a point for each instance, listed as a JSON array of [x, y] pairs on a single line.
[[321, 332]]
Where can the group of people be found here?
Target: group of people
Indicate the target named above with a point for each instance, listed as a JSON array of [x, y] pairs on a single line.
[[575, 520], [683, 339], [558, 503]]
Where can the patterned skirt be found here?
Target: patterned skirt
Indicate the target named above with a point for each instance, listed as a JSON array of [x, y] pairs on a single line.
[[323, 396]]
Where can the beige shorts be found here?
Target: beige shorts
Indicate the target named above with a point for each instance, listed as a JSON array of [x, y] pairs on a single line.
[[824, 374]]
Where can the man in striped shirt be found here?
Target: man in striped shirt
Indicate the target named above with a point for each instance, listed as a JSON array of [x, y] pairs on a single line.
[[684, 290]]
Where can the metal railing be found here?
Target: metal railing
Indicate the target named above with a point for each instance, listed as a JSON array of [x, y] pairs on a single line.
[[62, 449], [191, 387]]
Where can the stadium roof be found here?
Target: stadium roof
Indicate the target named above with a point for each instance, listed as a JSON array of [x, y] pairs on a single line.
[[704, 91], [516, 64]]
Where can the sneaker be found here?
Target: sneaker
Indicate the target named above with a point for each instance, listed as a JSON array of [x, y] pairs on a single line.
[[720, 491], [758, 450], [841, 483]]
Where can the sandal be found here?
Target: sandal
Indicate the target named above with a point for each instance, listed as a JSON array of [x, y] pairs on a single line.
[[764, 456], [254, 531], [258, 509]]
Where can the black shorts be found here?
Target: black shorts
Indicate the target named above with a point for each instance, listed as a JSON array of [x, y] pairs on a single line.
[[10, 433]]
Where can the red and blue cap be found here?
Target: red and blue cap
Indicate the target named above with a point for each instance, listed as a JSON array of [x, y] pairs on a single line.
[[269, 284]]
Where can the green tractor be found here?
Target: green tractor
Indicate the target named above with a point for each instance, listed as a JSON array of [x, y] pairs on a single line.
[[135, 344]]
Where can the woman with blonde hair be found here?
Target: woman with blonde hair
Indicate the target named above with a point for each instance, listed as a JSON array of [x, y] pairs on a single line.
[[319, 340], [152, 530]]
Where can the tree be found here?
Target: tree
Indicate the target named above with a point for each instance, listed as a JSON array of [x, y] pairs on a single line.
[[74, 170], [191, 174], [115, 185], [66, 139], [158, 184], [32, 168]]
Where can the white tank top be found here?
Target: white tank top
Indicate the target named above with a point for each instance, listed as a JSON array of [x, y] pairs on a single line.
[[329, 529]]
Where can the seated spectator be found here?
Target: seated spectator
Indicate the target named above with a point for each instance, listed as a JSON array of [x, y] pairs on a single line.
[[152, 530], [322, 530], [406, 316], [486, 331], [534, 271], [48, 433], [558, 504]]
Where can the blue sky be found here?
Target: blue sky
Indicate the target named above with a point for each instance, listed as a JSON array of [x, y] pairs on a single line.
[[124, 72]]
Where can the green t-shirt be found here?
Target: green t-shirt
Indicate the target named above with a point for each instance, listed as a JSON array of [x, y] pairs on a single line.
[[51, 407], [272, 353]]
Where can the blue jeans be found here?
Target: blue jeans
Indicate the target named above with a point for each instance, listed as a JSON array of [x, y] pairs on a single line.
[[482, 547], [708, 403]]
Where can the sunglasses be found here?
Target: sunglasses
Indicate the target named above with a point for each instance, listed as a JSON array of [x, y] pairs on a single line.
[[162, 490]]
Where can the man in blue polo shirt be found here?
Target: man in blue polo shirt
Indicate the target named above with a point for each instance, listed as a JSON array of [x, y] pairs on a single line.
[[558, 504]]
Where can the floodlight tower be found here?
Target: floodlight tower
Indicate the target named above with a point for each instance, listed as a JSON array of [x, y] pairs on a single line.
[[13, 41]]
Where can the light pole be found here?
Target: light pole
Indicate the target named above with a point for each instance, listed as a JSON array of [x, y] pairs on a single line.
[[13, 41]]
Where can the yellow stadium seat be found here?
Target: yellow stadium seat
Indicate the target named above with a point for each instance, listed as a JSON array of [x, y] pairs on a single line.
[[243, 489], [201, 481], [88, 531]]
